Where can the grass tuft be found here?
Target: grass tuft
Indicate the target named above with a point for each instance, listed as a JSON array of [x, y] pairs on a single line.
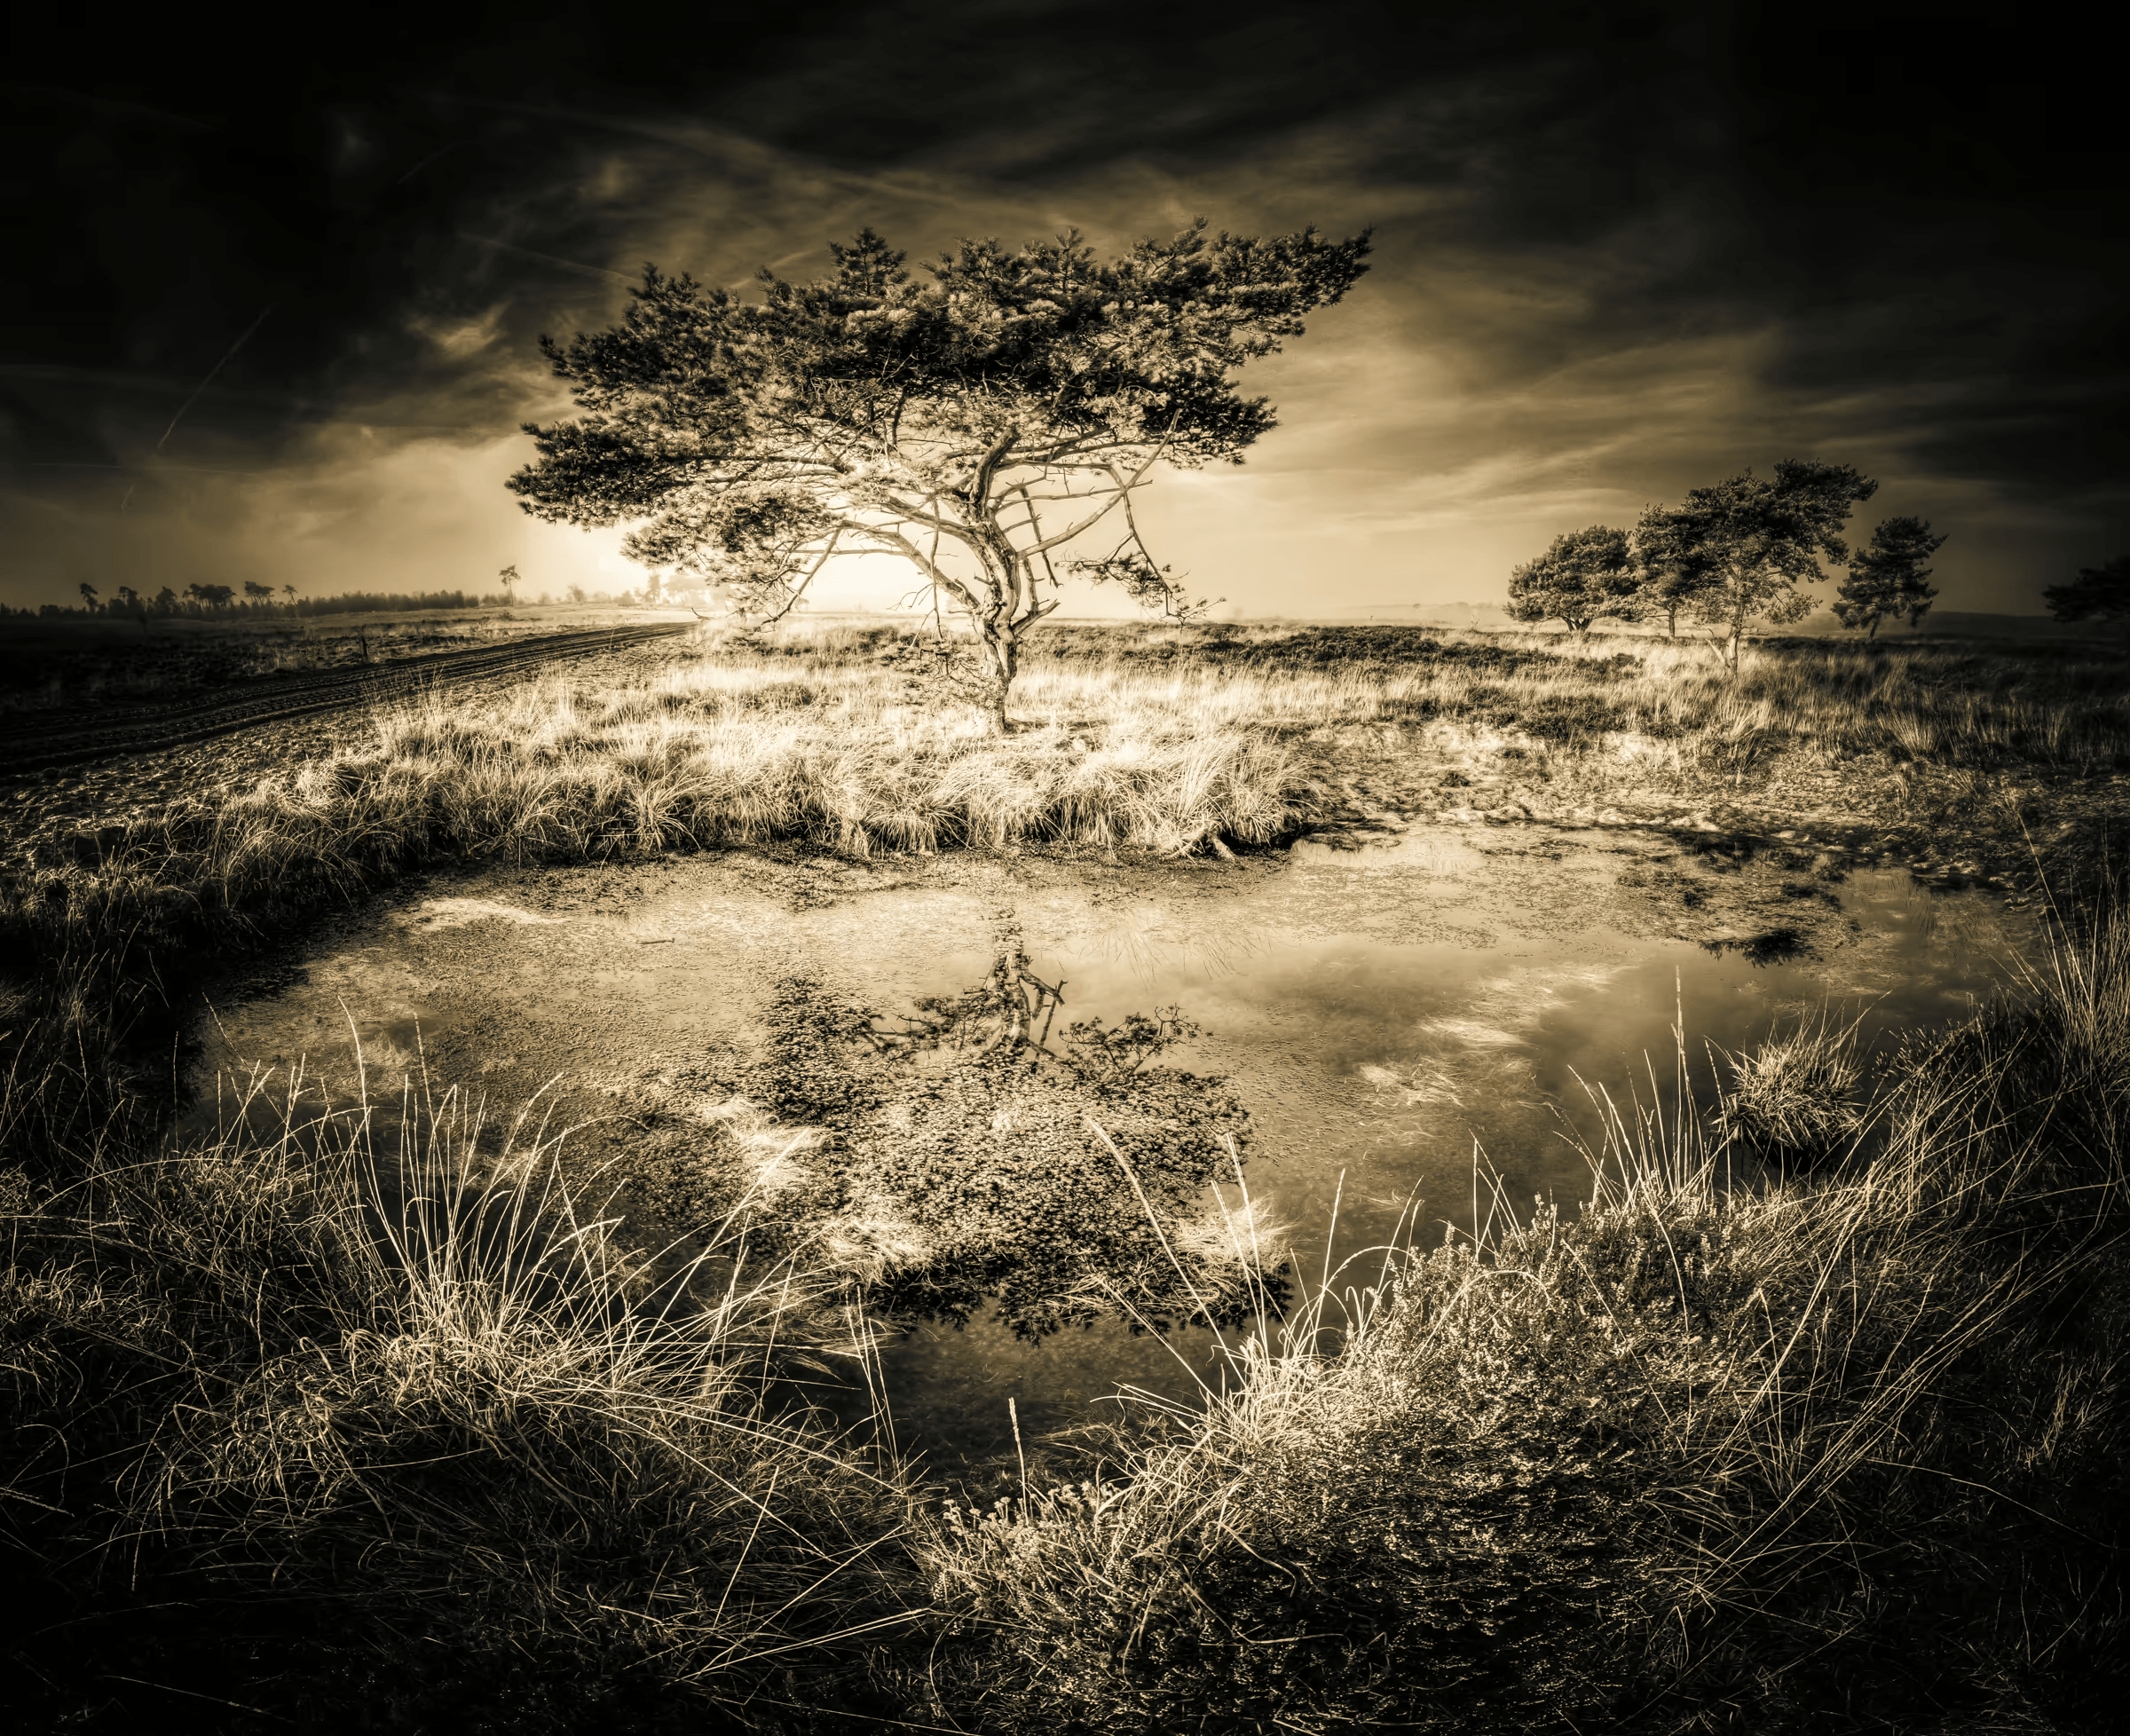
[[1797, 1093], [387, 1362]]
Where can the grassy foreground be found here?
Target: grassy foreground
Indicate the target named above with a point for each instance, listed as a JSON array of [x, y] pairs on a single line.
[[361, 1421], [1846, 1452]]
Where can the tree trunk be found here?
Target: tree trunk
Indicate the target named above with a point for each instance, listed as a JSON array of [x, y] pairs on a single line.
[[1002, 653]]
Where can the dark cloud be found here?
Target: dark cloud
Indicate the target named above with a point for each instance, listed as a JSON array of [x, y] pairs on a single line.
[[1621, 248]]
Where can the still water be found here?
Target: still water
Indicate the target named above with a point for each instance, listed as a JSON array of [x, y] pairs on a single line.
[[1397, 1032]]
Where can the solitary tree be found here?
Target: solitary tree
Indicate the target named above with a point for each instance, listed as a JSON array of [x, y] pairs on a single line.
[[973, 423], [2098, 594], [1761, 539], [1889, 578], [1585, 576], [509, 576], [1670, 570]]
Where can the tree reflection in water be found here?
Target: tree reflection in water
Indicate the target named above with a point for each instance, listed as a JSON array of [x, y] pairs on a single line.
[[975, 1150]]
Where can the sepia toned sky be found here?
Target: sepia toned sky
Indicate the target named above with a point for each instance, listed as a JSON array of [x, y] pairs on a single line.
[[270, 313]]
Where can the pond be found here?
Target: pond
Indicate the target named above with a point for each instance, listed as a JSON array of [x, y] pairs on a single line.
[[1398, 1025]]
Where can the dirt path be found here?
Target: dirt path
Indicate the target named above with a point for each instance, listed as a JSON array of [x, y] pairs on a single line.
[[47, 741]]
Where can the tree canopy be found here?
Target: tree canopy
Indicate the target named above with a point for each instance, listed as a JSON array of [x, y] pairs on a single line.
[[973, 421], [1889, 578], [1585, 576]]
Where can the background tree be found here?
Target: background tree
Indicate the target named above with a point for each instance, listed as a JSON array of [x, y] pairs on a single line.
[[88, 592], [166, 601], [1670, 570], [210, 597], [2098, 594], [1887, 577], [1585, 576], [288, 592], [255, 592], [1759, 541], [973, 424]]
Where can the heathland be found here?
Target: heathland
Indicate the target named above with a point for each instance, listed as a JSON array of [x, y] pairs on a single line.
[[374, 1410], [75, 661]]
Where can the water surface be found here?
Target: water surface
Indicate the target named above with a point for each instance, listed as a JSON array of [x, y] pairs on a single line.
[[1398, 1028]]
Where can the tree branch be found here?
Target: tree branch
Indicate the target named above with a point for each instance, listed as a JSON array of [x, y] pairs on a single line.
[[1123, 490], [798, 589]]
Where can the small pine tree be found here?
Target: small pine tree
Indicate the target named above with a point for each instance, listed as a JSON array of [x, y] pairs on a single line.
[[1761, 541], [1887, 577], [973, 422], [1584, 577], [2098, 594], [1670, 569]]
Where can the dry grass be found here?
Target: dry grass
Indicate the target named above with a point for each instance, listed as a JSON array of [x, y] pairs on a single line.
[[1837, 1453], [739, 752], [1167, 743], [2048, 707], [385, 1361], [1797, 1093]]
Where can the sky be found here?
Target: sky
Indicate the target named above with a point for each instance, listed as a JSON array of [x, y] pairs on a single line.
[[273, 310]]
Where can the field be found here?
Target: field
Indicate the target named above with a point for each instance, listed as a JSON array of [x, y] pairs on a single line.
[[48, 664], [378, 1410]]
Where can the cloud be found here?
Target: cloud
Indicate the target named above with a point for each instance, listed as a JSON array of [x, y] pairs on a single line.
[[1620, 252], [460, 338]]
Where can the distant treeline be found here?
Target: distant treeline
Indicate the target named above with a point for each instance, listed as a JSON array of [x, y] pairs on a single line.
[[223, 602], [395, 602]]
